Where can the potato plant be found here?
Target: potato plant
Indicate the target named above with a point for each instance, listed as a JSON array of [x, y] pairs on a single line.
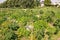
[[30, 24]]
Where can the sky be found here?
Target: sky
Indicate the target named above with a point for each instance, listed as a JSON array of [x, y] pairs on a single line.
[[2, 1], [55, 0]]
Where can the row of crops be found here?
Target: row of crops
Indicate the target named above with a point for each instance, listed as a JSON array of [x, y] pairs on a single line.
[[30, 24]]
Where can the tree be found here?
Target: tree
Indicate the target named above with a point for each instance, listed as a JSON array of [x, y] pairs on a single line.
[[47, 2], [20, 3]]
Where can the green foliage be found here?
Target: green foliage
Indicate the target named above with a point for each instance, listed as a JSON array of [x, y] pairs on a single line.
[[20, 3], [48, 19], [41, 11], [13, 26], [57, 24], [10, 35], [2, 20], [23, 32], [39, 27], [48, 16], [47, 2], [45, 24], [51, 30], [40, 24]]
